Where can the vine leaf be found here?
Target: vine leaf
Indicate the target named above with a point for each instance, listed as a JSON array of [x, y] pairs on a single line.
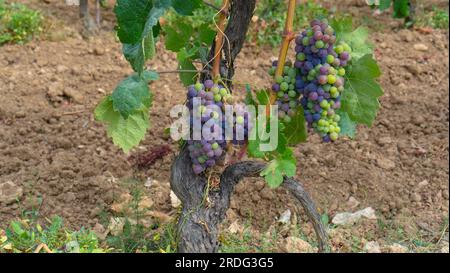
[[185, 58], [176, 39], [401, 8], [136, 20], [348, 127], [284, 165], [360, 99], [356, 39], [184, 7], [263, 97], [125, 133], [295, 130], [132, 94]]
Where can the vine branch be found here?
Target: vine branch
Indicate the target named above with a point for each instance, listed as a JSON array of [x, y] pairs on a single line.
[[219, 39]]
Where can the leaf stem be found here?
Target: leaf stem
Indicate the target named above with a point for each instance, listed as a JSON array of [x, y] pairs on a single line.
[[206, 3], [219, 39]]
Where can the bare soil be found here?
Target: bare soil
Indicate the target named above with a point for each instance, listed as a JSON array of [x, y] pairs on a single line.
[[51, 146]]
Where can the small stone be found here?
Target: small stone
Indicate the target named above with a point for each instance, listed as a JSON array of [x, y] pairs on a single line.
[[397, 248], [416, 197], [372, 247], [100, 231], [383, 45], [384, 140], [296, 245], [422, 184], [445, 247], [235, 228], [145, 203], [75, 95], [174, 201], [10, 192], [267, 193], [161, 216], [61, 68], [54, 90], [421, 47], [413, 69], [385, 163], [352, 203], [445, 194], [116, 225], [70, 197], [285, 217], [99, 51], [349, 218]]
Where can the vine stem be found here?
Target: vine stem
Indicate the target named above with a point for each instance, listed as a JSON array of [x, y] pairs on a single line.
[[219, 39], [288, 36]]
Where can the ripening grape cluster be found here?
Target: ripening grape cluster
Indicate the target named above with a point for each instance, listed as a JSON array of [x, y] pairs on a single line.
[[242, 124], [206, 152], [320, 66], [211, 116], [284, 87]]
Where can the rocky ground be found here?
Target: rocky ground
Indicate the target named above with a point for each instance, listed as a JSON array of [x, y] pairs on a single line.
[[56, 159]]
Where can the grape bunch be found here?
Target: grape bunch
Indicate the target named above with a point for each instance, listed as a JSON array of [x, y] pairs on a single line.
[[206, 152], [320, 79], [284, 87], [242, 124]]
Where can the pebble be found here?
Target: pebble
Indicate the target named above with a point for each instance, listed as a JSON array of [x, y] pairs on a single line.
[[174, 201], [421, 47], [296, 245], [385, 163], [397, 248], [372, 247], [10, 192], [349, 218]]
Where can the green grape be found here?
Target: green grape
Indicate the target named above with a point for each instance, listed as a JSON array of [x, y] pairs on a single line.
[[330, 59], [198, 86], [331, 79]]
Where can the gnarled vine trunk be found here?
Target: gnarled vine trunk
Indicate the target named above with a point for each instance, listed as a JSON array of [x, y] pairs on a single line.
[[204, 209]]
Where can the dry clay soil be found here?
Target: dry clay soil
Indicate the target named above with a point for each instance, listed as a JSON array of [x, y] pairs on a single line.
[[51, 146]]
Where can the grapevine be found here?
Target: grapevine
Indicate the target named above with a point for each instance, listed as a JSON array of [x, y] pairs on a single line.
[[330, 88]]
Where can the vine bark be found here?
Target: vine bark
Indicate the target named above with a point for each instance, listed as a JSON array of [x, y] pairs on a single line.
[[204, 209]]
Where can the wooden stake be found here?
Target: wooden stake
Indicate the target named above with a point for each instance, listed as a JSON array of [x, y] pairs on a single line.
[[219, 39]]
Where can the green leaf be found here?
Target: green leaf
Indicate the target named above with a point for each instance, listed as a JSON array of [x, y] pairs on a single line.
[[249, 100], [185, 63], [253, 147], [137, 54], [132, 94], [348, 127], [188, 78], [206, 34], [131, 17], [295, 130], [185, 7], [274, 173], [136, 20], [401, 8], [149, 76], [177, 38], [125, 133], [263, 97], [357, 39], [360, 98], [385, 4]]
